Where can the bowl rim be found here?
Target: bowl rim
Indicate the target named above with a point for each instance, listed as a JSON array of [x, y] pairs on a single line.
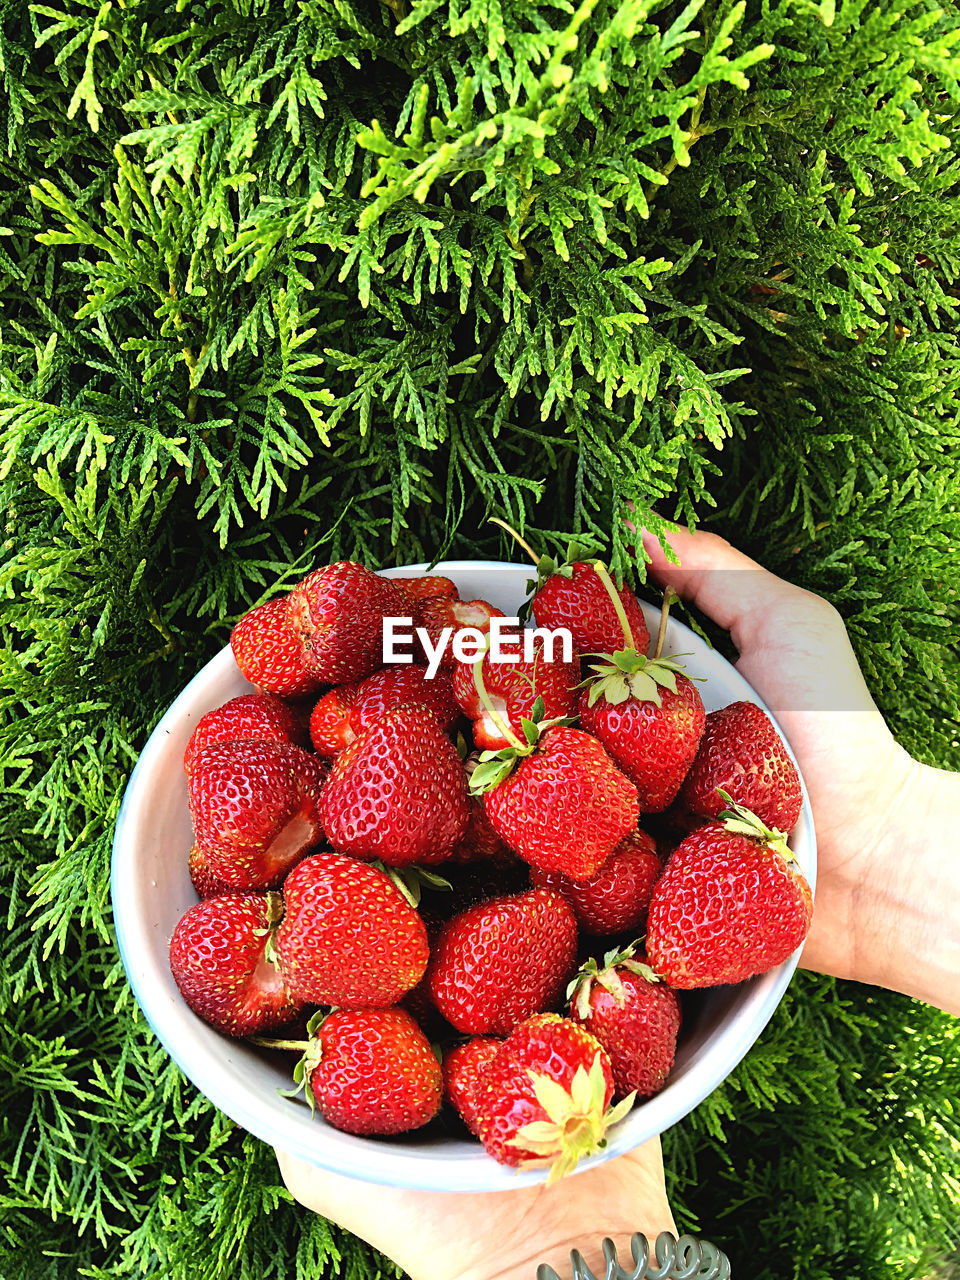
[[370, 1160]]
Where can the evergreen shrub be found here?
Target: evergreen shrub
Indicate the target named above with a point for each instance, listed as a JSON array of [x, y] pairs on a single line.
[[289, 280]]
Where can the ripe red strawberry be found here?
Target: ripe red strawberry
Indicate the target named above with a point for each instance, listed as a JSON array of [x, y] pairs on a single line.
[[502, 960], [565, 807], [348, 936], [463, 1069], [361, 705], [543, 1098], [330, 728], [512, 689], [428, 586], [574, 596], [253, 716], [650, 719], [255, 809], [269, 654], [221, 959], [634, 1015], [615, 900], [398, 793], [391, 688], [338, 614], [204, 881], [372, 1071], [437, 613], [742, 754], [731, 903]]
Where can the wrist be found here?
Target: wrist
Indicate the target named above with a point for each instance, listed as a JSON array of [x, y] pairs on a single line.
[[916, 938], [885, 908], [521, 1261]]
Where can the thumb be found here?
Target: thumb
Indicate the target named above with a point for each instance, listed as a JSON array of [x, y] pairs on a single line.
[[734, 591], [793, 645]]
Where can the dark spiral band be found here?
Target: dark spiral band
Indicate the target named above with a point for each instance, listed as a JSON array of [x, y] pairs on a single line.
[[673, 1259]]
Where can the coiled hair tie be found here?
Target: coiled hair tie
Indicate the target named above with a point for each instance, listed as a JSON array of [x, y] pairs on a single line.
[[683, 1259]]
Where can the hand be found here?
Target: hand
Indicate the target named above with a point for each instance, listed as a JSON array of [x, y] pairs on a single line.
[[500, 1235], [885, 824]]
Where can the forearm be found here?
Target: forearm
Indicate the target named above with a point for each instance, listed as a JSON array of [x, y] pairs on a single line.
[[912, 905]]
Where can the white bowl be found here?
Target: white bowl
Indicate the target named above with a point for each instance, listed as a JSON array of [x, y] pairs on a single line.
[[151, 889]]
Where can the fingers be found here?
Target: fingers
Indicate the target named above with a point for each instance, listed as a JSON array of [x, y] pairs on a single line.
[[793, 645]]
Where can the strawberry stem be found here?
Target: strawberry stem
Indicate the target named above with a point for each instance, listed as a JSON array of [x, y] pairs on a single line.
[[491, 711], [668, 598], [513, 533], [603, 574]]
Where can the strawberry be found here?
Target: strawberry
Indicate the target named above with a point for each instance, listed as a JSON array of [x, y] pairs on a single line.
[[425, 1014], [463, 1069], [385, 690], [615, 899], [372, 1071], [398, 793], [429, 586], [543, 1097], [502, 960], [255, 809], [221, 960], [581, 596], [330, 728], [204, 881], [437, 614], [255, 716], [731, 903], [512, 690], [367, 702], [338, 614], [742, 754], [647, 714], [269, 654], [574, 596], [348, 936], [565, 807], [635, 1017], [653, 738]]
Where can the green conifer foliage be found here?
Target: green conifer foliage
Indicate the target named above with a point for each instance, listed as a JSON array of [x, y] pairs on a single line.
[[287, 280]]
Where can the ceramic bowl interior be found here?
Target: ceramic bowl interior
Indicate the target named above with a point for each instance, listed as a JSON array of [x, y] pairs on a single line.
[[151, 890]]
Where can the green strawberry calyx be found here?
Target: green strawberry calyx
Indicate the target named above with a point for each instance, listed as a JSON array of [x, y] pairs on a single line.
[[608, 977], [275, 910], [412, 879], [495, 767], [744, 822], [311, 1052], [628, 674], [576, 1120]]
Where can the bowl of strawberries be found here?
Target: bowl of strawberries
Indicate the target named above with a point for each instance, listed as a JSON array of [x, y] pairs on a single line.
[[441, 899]]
